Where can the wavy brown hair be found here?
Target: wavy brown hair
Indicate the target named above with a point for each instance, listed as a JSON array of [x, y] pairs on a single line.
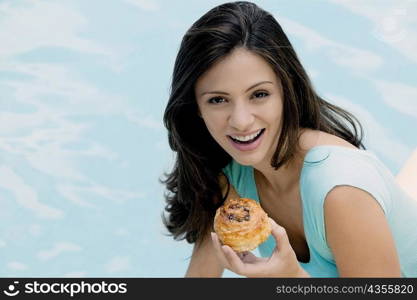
[[193, 188]]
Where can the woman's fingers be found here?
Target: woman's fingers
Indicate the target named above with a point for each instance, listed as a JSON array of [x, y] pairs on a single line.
[[234, 261], [280, 235], [218, 250], [242, 263], [245, 256], [246, 263], [248, 257], [228, 257]]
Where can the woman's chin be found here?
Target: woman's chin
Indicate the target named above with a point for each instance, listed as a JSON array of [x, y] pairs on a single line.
[[248, 161]]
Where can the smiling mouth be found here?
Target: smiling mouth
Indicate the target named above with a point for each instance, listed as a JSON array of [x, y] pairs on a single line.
[[249, 141]]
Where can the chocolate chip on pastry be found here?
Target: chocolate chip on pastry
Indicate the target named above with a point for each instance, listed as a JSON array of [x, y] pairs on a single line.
[[242, 224]]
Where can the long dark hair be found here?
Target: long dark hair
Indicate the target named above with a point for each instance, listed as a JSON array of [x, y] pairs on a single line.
[[193, 187]]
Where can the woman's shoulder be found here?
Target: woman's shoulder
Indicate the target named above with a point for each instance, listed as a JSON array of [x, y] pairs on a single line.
[[332, 152], [330, 162], [310, 139], [331, 157], [317, 146]]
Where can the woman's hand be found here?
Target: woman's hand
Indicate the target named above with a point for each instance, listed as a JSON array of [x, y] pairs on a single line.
[[282, 263]]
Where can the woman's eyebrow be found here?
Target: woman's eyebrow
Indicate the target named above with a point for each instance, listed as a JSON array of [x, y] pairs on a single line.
[[224, 93]]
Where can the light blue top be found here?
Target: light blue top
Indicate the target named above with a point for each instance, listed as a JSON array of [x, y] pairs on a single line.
[[325, 167]]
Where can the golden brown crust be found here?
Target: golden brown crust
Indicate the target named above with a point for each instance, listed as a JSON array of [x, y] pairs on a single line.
[[242, 224]]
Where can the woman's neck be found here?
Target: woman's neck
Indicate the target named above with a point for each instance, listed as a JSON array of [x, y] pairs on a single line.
[[282, 180]]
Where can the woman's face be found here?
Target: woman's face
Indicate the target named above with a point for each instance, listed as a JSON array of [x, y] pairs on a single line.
[[240, 101]]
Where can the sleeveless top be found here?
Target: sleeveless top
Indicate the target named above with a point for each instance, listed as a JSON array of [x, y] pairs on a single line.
[[325, 167]]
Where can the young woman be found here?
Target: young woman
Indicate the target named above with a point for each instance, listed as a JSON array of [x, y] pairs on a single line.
[[244, 120]]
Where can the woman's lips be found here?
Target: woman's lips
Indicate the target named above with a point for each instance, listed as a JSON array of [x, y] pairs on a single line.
[[248, 147]]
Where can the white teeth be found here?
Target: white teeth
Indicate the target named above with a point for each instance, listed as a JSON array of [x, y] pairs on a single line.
[[247, 137]]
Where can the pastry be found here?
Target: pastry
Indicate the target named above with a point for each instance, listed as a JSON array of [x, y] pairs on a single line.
[[242, 224]]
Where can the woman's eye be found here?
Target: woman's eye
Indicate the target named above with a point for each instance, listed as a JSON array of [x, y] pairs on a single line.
[[216, 100], [261, 94]]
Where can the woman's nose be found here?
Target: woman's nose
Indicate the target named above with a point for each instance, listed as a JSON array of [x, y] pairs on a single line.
[[241, 117]]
